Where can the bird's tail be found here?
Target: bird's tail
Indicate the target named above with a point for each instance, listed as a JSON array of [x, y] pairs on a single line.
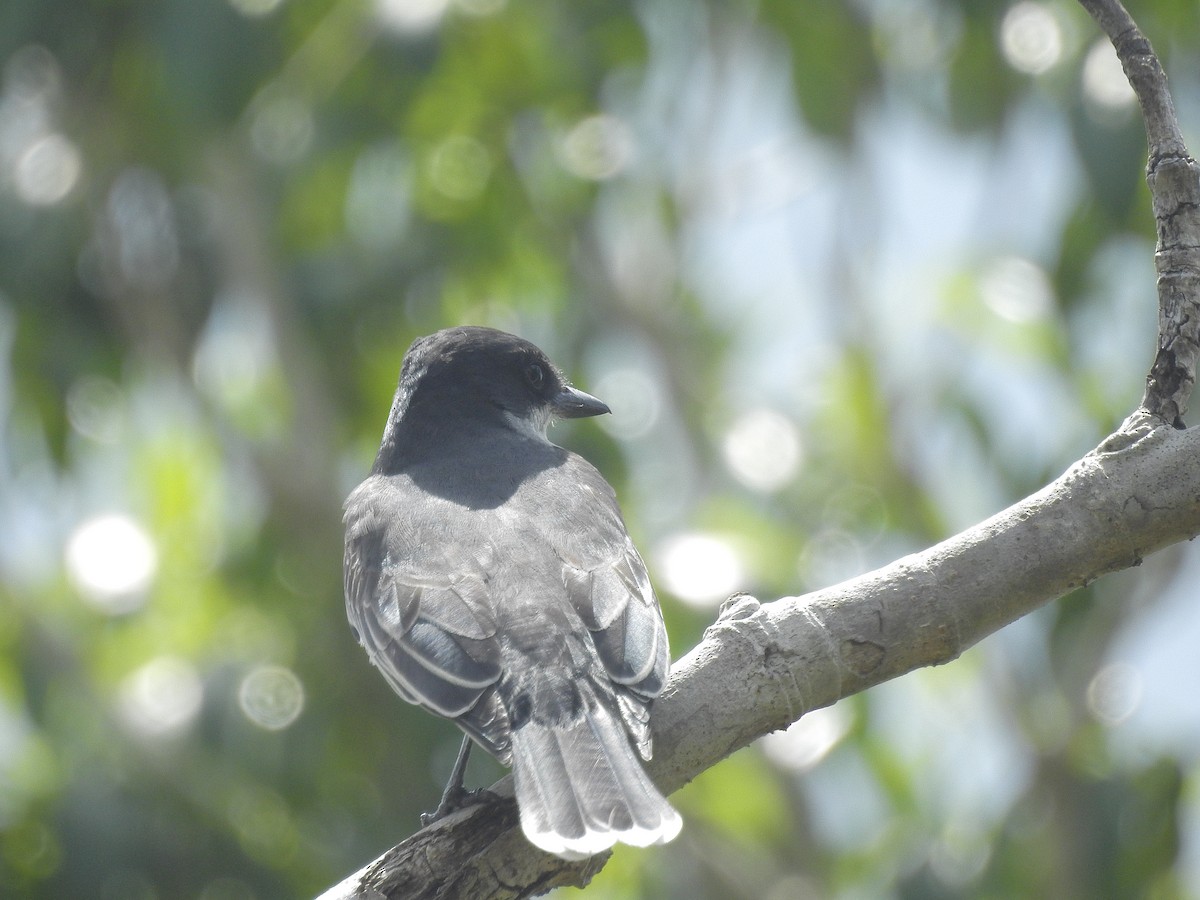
[[581, 788]]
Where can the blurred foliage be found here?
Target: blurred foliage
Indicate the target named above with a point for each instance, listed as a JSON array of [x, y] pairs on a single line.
[[852, 276]]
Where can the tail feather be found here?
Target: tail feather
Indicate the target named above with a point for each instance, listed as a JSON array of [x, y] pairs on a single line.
[[580, 788]]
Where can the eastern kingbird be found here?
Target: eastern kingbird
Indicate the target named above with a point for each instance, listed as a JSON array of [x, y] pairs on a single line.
[[490, 578]]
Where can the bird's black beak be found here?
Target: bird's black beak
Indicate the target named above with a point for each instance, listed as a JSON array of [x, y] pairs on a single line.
[[573, 404]]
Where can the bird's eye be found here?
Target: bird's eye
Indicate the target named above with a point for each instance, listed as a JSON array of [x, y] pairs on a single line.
[[536, 376]]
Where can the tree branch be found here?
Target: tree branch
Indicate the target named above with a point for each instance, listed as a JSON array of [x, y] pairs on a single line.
[[760, 667], [1175, 194]]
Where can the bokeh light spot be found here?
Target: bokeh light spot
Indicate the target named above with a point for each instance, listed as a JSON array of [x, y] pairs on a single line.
[[282, 127], [634, 399], [271, 697], [47, 170], [111, 561], [597, 148], [96, 409], [32, 76], [161, 698], [960, 854], [702, 570], [1104, 81], [762, 449], [1114, 693], [1031, 38], [1016, 289], [410, 16], [806, 742], [830, 556]]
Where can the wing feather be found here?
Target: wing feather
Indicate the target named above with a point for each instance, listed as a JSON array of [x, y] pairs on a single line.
[[431, 633], [609, 586]]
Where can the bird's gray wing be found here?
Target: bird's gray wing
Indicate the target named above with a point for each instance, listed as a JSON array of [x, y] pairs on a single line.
[[424, 617], [608, 584]]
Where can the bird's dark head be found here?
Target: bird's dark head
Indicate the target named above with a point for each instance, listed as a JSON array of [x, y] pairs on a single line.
[[462, 381]]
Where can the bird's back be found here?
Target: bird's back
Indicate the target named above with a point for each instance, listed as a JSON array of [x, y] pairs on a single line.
[[526, 615]]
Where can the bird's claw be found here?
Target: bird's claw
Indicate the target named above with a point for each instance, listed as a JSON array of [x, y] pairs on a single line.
[[452, 801]]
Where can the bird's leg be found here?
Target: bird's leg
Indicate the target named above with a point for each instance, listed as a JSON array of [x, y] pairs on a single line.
[[455, 796]]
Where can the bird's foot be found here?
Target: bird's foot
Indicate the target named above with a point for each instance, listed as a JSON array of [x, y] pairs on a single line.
[[454, 800]]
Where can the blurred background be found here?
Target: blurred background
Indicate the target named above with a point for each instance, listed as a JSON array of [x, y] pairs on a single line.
[[852, 276]]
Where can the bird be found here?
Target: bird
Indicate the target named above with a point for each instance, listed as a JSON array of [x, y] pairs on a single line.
[[490, 578]]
